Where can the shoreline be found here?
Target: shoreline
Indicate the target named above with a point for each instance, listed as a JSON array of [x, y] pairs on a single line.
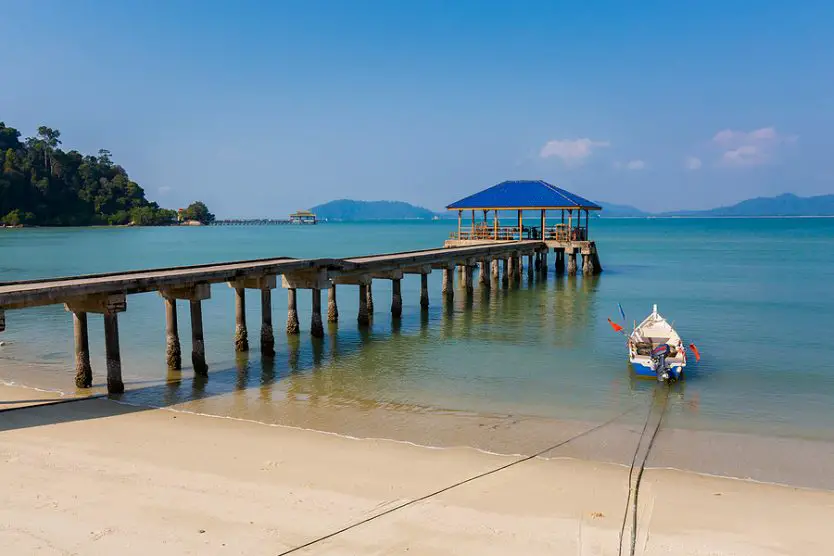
[[774, 460], [96, 477]]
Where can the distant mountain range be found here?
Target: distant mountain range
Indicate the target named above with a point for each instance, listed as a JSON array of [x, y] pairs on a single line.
[[786, 204]]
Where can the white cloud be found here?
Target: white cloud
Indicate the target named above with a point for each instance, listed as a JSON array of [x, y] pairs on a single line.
[[571, 151], [750, 148], [746, 155], [164, 190], [692, 163], [635, 165]]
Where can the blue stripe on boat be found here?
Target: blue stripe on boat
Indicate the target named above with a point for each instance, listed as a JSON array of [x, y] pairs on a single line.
[[642, 370]]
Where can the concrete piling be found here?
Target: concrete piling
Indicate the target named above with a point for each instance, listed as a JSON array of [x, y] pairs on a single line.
[[198, 348], [560, 262], [596, 263], [173, 352], [316, 326], [424, 291], [468, 278], [292, 311], [363, 318], [572, 263], [83, 370], [267, 335], [241, 334], [448, 283], [112, 353], [396, 298], [495, 270], [370, 300], [332, 307], [483, 272], [587, 266]]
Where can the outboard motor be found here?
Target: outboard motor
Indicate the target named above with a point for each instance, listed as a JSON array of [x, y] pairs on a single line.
[[659, 361]]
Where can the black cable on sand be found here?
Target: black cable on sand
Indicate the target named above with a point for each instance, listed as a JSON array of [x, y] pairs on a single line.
[[634, 491], [455, 485], [55, 402]]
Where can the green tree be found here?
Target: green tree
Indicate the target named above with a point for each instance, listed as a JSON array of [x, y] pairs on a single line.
[[49, 139], [198, 211]]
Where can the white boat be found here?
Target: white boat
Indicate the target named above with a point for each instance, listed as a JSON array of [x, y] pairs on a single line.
[[656, 350]]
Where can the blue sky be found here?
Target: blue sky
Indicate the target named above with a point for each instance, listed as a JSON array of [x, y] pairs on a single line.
[[260, 108]]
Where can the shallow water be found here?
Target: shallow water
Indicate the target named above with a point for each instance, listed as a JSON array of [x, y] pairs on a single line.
[[753, 294]]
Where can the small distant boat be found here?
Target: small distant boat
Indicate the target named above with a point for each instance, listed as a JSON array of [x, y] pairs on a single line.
[[655, 349]]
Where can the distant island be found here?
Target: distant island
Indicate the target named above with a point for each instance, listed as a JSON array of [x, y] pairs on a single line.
[[41, 185], [786, 204], [348, 210]]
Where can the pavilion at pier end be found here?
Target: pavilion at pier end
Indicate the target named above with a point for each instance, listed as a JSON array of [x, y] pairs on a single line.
[[523, 210]]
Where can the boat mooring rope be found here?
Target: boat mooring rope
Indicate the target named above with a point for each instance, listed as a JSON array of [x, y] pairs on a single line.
[[657, 410], [455, 485]]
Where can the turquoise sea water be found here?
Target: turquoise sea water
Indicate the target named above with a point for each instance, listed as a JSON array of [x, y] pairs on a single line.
[[755, 295]]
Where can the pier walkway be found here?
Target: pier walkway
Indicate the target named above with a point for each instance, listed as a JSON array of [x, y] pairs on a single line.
[[497, 261]]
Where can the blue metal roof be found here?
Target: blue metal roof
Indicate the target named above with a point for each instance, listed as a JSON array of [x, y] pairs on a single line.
[[523, 194]]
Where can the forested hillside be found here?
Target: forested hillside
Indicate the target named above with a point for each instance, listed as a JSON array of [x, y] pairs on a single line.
[[41, 184]]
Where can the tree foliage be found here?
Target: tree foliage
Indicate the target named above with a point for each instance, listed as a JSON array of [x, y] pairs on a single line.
[[198, 211], [40, 184]]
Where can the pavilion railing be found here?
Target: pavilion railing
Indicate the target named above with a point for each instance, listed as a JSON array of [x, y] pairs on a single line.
[[558, 232], [505, 233], [561, 232]]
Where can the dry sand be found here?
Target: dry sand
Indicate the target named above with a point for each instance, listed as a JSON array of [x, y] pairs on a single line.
[[98, 477]]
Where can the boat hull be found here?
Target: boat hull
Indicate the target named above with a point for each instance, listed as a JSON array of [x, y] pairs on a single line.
[[644, 371]]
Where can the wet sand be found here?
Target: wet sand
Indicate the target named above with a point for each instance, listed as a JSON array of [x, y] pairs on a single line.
[[98, 477], [790, 461]]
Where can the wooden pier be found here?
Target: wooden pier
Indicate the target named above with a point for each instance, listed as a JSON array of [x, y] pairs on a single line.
[[107, 294], [251, 222], [497, 253]]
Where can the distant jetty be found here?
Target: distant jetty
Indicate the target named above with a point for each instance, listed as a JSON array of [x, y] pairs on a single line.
[[304, 217]]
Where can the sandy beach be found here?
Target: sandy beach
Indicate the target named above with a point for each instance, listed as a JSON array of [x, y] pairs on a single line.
[[99, 477]]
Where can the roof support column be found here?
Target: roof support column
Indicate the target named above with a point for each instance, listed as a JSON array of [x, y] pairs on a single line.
[[570, 225], [460, 215], [520, 226], [587, 225]]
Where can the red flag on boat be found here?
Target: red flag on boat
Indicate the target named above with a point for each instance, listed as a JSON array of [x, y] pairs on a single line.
[[615, 326], [695, 351]]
